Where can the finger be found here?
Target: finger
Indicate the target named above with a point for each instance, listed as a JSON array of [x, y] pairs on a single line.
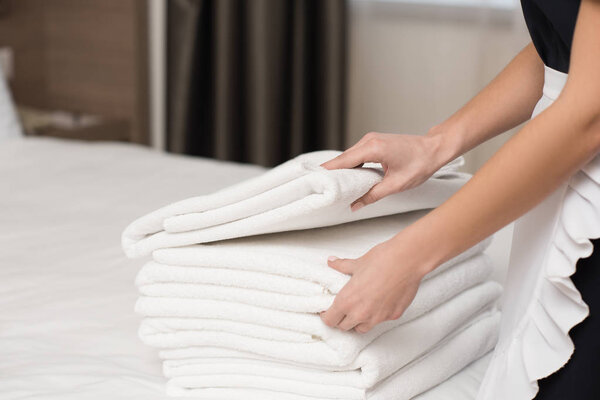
[[333, 316], [350, 158], [364, 327], [377, 192], [397, 314], [385, 168], [347, 323], [363, 140], [344, 265]]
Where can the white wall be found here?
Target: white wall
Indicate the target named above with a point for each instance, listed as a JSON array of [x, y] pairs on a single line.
[[411, 67]]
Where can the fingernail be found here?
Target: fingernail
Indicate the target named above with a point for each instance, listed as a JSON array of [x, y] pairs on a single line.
[[332, 258], [357, 206]]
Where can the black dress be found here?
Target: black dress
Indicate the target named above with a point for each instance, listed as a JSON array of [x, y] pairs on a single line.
[[551, 24]]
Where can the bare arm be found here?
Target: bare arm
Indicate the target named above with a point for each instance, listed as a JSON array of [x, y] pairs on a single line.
[[503, 104], [549, 149]]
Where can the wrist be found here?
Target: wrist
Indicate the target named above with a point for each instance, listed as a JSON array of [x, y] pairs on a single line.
[[407, 245], [446, 143]]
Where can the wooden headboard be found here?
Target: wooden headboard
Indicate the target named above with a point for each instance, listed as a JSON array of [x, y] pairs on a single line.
[[85, 56]]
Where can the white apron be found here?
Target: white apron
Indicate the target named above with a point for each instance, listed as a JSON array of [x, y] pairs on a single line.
[[541, 304]]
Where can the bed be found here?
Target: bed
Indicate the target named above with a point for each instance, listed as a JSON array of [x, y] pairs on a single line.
[[67, 326]]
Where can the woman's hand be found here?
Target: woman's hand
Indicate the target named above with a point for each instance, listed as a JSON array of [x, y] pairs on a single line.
[[407, 160], [384, 282], [385, 279]]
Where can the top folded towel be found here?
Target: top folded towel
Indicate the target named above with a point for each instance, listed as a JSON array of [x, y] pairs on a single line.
[[298, 194]]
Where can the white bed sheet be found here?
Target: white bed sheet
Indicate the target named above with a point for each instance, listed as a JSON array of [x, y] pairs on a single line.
[[67, 326]]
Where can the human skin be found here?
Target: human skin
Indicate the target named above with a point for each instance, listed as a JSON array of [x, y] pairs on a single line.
[[530, 166]]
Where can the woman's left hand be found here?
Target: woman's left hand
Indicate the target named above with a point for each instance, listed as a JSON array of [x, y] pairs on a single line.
[[384, 282]]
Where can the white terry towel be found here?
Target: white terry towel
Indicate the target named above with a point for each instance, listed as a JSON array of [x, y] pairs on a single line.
[[273, 291], [381, 358], [293, 263], [199, 322], [298, 194], [432, 368], [261, 289]]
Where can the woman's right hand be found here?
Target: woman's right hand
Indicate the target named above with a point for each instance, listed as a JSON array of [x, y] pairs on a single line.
[[407, 160]]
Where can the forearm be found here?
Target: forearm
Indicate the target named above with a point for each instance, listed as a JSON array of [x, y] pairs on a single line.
[[503, 104], [528, 168]]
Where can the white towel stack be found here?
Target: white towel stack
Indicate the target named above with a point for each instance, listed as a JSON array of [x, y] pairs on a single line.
[[234, 307]]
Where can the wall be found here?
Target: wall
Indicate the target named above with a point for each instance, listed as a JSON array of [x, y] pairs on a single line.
[[411, 67]]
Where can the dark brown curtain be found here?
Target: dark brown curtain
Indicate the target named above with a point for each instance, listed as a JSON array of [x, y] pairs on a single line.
[[255, 81]]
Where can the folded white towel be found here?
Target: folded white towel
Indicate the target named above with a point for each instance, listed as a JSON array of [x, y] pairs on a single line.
[[381, 358], [298, 194], [300, 255], [449, 357], [318, 344], [278, 301], [440, 364], [249, 287]]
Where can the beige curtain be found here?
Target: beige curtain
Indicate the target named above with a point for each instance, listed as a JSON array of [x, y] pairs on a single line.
[[256, 81]]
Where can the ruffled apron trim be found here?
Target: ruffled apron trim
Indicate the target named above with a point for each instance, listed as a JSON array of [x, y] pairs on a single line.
[[541, 344]]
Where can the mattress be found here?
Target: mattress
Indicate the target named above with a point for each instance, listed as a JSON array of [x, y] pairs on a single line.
[[67, 326]]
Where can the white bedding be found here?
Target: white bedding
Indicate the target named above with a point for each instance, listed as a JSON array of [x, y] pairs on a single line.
[[67, 325]]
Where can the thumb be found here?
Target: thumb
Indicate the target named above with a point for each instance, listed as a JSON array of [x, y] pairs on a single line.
[[343, 265], [377, 192]]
